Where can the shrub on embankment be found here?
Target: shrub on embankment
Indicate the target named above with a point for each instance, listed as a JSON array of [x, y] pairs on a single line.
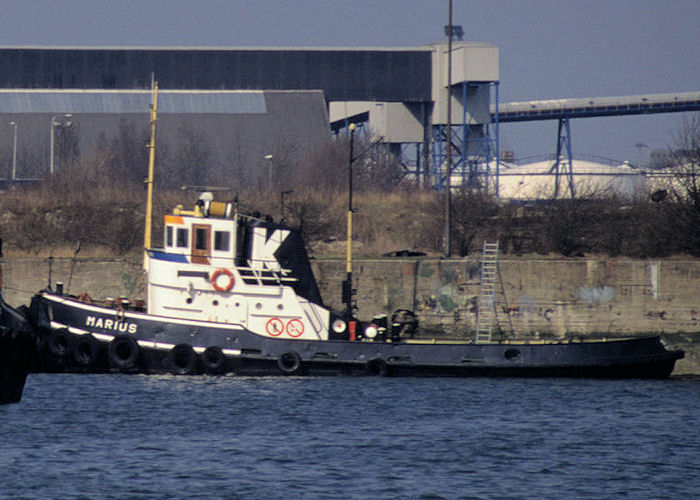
[[100, 202], [109, 218]]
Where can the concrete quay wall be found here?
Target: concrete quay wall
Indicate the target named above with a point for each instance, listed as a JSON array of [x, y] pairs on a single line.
[[545, 297], [552, 297]]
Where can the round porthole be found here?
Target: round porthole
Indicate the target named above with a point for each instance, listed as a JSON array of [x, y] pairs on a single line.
[[280, 307], [511, 354]]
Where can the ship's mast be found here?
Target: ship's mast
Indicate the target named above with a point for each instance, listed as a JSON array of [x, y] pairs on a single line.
[[151, 162], [347, 284]]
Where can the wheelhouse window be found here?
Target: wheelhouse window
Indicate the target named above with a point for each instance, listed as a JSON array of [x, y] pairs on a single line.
[[181, 237], [222, 240], [200, 238], [168, 236]]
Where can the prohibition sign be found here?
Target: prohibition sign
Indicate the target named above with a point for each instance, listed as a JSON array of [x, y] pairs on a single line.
[[274, 327], [295, 328]]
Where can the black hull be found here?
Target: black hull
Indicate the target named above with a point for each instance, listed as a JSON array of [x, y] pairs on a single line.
[[76, 337], [16, 353], [11, 385]]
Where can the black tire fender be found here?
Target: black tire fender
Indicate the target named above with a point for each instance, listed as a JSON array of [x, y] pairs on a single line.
[[376, 367], [213, 360], [289, 363], [84, 349], [182, 360], [123, 352], [58, 342]]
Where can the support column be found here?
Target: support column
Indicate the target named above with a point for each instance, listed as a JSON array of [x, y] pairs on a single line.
[[563, 165]]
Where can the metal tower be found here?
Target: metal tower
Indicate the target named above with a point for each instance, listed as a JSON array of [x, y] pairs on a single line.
[[563, 164], [474, 143]]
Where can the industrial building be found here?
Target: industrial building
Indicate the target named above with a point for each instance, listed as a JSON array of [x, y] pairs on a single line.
[[219, 133], [591, 178], [402, 92], [248, 107]]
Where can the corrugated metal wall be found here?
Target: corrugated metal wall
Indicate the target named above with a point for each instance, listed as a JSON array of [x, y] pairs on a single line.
[[376, 75], [236, 136], [135, 101]]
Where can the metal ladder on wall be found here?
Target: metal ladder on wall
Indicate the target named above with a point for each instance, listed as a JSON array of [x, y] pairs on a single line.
[[486, 313]]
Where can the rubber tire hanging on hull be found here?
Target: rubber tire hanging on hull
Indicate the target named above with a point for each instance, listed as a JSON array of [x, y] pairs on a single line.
[[289, 363], [376, 367], [213, 360], [123, 352], [58, 343], [84, 350], [181, 360]]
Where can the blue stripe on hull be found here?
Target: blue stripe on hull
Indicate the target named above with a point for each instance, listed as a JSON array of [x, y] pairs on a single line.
[[170, 257]]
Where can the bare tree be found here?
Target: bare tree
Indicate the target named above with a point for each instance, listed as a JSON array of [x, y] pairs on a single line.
[[191, 160], [685, 186], [127, 156], [684, 160], [474, 215]]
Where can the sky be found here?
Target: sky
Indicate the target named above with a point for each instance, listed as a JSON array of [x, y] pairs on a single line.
[[549, 49]]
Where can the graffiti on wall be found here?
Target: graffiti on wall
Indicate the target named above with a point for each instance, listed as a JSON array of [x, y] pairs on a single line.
[[527, 308], [129, 283], [595, 295]]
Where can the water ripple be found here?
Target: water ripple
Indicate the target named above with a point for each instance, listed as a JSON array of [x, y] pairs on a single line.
[[113, 436]]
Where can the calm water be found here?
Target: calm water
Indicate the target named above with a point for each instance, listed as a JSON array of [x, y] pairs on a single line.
[[120, 436]]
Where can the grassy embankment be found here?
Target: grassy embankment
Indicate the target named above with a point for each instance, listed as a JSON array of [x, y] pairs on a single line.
[[108, 219]]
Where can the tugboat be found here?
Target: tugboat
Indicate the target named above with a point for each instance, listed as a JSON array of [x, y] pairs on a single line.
[[16, 350], [232, 292]]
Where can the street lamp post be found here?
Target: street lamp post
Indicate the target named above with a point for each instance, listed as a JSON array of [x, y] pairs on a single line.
[[640, 146], [282, 194], [269, 171], [14, 153], [448, 161], [54, 124]]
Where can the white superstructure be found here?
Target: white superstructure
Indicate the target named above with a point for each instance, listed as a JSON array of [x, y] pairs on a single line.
[[221, 266]]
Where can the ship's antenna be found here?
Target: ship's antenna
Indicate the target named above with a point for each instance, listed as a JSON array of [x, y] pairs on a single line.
[[348, 292], [72, 266], [48, 286], [151, 162]]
